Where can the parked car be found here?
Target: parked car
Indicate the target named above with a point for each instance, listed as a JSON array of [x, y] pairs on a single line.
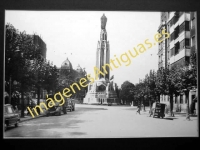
[[57, 109], [10, 116], [71, 104]]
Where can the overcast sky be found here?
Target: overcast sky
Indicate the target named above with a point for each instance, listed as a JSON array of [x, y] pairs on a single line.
[[74, 34]]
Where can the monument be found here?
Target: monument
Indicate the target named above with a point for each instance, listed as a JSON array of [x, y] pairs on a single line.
[[103, 90]]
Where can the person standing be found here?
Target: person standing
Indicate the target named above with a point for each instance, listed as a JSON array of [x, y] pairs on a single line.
[[152, 109], [16, 109], [138, 110]]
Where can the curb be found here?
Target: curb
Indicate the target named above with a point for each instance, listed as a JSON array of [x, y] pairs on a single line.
[[30, 118]]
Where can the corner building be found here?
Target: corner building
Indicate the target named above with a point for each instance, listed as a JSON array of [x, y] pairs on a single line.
[[177, 49]]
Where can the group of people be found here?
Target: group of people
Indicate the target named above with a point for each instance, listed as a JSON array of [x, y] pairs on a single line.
[[150, 111]]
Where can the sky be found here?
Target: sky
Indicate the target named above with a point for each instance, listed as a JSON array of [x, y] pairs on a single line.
[[74, 35]]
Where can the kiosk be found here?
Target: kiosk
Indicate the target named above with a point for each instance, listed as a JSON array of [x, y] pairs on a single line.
[[159, 110]]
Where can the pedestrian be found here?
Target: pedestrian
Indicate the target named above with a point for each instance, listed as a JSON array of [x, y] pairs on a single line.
[[142, 107], [16, 109], [138, 110], [152, 109]]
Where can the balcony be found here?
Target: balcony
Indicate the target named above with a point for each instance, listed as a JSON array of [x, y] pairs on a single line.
[[192, 31], [180, 55]]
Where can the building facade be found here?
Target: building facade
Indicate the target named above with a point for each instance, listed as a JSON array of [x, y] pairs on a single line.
[[177, 49], [37, 40], [68, 76]]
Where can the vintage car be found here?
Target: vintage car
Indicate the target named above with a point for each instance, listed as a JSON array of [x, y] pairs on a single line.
[[10, 116], [57, 109]]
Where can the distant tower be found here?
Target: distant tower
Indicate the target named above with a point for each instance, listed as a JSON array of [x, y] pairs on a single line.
[[103, 49]]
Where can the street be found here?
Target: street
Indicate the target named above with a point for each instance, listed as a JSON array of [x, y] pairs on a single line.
[[102, 121]]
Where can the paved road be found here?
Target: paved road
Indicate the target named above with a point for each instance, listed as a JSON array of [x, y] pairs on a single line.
[[96, 121]]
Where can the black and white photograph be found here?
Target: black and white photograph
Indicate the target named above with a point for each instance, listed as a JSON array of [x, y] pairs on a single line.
[[100, 74]]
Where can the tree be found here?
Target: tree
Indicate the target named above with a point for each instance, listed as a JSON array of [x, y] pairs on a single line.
[[23, 62], [152, 86], [18, 52], [172, 83], [127, 91], [189, 80]]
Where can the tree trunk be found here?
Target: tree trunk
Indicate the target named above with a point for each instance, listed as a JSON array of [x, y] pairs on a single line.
[[188, 105], [150, 103], [171, 104], [38, 99], [150, 106], [144, 104], [22, 103]]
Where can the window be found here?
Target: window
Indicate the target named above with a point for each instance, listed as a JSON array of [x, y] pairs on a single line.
[[187, 42], [184, 44], [176, 32], [177, 47], [187, 26], [172, 37]]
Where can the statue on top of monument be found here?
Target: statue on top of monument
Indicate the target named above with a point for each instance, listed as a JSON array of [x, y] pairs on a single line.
[[103, 22]]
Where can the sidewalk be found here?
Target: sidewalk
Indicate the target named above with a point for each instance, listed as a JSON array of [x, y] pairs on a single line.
[[29, 117]]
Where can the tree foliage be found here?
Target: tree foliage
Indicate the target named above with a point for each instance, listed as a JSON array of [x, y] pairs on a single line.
[[127, 91]]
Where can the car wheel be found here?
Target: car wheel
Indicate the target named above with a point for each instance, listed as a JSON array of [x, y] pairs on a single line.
[[17, 123]]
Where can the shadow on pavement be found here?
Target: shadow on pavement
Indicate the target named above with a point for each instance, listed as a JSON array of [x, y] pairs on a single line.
[[170, 118]]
